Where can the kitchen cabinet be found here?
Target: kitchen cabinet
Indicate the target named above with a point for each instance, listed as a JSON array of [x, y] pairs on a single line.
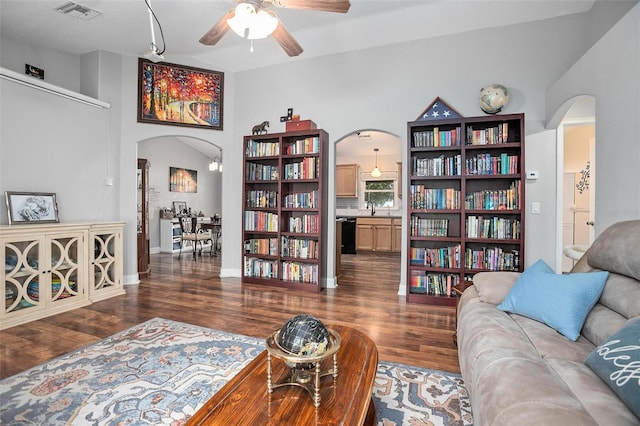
[[374, 234], [396, 230], [346, 180]]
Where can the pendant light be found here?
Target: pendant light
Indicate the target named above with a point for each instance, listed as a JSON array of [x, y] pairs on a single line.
[[376, 173]]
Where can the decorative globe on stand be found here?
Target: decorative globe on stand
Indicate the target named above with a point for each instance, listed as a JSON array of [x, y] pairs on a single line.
[[493, 98], [303, 335]]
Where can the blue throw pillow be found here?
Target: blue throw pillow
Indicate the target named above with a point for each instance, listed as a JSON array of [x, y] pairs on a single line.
[[560, 301], [617, 363]]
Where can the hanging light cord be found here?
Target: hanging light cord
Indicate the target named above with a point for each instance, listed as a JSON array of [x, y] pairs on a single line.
[[164, 45]]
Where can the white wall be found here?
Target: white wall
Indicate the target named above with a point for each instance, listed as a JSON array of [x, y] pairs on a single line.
[[384, 88], [163, 153], [609, 71], [380, 88]]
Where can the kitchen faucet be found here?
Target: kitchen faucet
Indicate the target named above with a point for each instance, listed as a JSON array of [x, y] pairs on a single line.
[[373, 208]]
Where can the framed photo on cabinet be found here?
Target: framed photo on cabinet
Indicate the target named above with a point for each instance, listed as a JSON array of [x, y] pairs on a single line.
[[179, 95], [31, 207]]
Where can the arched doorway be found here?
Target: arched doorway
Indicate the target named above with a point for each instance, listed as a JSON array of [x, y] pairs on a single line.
[[183, 152], [364, 198], [576, 180]]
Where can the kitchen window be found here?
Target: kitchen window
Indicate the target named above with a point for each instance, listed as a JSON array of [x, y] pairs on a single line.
[[379, 193]]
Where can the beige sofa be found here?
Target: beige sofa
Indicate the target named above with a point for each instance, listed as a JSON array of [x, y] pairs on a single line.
[[519, 371]]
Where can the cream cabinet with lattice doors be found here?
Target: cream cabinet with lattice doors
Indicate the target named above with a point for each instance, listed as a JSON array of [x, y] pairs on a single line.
[[105, 271], [47, 268]]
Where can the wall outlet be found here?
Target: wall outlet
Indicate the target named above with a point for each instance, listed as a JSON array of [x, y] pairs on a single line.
[[535, 207], [109, 182], [533, 174]]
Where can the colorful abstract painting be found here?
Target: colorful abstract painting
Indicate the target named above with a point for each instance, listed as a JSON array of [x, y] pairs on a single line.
[[179, 95]]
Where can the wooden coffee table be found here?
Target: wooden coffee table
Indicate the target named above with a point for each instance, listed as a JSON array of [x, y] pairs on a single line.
[[346, 400]]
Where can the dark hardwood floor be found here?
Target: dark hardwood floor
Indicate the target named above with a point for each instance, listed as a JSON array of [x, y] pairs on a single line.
[[183, 290]]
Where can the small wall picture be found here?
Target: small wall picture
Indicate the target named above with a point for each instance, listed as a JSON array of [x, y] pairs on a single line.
[[183, 180], [31, 207], [179, 207]]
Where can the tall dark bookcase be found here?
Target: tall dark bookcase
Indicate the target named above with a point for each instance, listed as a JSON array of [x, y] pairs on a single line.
[[466, 202], [284, 209]]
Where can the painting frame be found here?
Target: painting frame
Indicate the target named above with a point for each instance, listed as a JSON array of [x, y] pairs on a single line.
[[180, 95], [31, 207], [183, 180]]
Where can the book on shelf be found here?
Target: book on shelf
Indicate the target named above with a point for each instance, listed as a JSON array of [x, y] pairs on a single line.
[[488, 136], [262, 198], [300, 272], [422, 197], [299, 248], [264, 246], [302, 200], [441, 257], [498, 228], [439, 166], [436, 137], [262, 149], [310, 145], [261, 268], [437, 284], [427, 227], [258, 171], [260, 221], [307, 224], [492, 258], [495, 199], [487, 164]]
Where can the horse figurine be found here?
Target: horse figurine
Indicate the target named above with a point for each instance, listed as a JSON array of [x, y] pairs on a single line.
[[260, 129]]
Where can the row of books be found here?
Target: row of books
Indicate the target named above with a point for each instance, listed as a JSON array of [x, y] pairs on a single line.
[[441, 257], [437, 138], [299, 248], [492, 258], [434, 198], [305, 169], [439, 166], [262, 149], [255, 267], [499, 228], [307, 224], [425, 227], [264, 246], [302, 200], [300, 272], [495, 199], [257, 171], [490, 136], [486, 164], [434, 284], [260, 221], [262, 198], [310, 145]]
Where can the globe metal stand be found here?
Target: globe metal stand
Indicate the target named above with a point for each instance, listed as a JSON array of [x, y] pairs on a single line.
[[305, 371]]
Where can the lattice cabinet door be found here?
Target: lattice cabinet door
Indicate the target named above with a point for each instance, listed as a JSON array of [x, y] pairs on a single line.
[[105, 272]]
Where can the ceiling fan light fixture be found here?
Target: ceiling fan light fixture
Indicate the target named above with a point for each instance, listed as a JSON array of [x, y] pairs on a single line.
[[251, 24]]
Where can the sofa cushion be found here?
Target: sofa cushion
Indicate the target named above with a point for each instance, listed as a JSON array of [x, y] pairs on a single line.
[[493, 287], [560, 301], [615, 250], [617, 363]]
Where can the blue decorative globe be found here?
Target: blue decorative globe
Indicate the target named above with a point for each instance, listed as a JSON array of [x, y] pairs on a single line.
[[304, 335]]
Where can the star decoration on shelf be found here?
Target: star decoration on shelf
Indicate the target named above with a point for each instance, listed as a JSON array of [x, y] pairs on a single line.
[[438, 110]]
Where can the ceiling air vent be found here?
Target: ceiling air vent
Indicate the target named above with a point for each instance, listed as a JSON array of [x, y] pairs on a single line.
[[78, 11]]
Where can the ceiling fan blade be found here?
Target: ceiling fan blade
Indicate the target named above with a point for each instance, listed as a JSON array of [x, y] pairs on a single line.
[[286, 40], [218, 30], [339, 6]]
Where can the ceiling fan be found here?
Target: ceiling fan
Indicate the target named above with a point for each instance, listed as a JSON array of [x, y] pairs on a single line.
[[250, 19]]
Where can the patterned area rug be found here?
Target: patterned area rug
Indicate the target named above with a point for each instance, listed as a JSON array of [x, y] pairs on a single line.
[[160, 372]]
